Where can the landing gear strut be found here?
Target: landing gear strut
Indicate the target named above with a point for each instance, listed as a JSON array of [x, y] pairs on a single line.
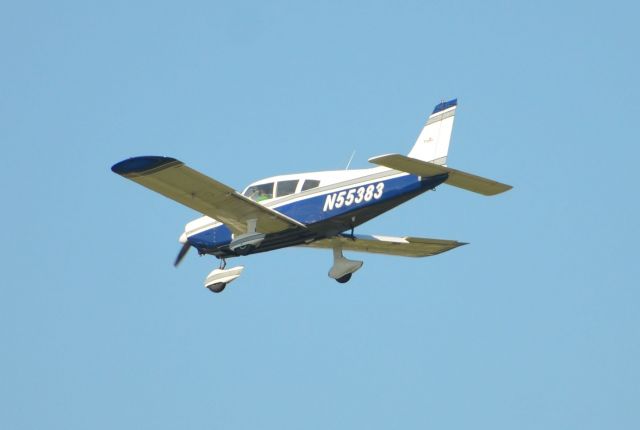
[[342, 268]]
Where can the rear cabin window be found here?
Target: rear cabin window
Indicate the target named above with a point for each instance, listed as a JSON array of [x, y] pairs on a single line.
[[284, 188], [261, 192], [310, 183]]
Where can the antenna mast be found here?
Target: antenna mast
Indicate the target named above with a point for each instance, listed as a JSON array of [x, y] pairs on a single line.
[[350, 160]]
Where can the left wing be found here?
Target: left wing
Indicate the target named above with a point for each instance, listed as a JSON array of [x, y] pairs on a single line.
[[173, 179], [402, 246]]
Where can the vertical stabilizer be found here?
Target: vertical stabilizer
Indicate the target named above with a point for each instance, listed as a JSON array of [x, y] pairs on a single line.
[[433, 142]]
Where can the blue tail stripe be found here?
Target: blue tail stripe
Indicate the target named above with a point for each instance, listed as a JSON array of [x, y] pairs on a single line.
[[444, 106]]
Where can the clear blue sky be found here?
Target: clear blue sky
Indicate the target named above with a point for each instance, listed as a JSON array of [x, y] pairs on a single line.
[[534, 325]]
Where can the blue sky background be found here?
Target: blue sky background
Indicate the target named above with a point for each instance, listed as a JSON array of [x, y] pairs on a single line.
[[536, 324]]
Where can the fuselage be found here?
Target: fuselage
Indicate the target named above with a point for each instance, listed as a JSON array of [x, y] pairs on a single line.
[[327, 203]]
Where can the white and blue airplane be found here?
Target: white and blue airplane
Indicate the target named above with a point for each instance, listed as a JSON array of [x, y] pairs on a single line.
[[316, 209]]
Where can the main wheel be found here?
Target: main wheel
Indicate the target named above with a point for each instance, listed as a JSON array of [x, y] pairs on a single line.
[[217, 288], [344, 279]]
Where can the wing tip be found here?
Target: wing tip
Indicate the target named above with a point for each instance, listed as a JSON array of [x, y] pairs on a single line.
[[498, 188], [136, 166]]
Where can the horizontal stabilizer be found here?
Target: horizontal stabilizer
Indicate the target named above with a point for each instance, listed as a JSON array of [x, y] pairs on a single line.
[[389, 245], [457, 178]]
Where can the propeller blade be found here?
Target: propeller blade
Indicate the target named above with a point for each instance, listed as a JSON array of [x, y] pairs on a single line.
[[182, 253]]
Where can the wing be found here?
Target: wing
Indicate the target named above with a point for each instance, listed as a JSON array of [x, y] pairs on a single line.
[[402, 246], [175, 180], [457, 178]]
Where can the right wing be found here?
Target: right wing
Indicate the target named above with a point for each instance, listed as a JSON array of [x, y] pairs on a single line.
[[173, 179], [402, 246]]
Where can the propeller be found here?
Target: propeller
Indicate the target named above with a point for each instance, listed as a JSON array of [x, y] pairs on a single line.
[[181, 254], [183, 251]]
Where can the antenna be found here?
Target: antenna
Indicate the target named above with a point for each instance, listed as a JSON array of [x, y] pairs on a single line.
[[350, 160]]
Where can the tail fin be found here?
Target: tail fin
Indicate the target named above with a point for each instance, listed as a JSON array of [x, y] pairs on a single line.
[[433, 142]]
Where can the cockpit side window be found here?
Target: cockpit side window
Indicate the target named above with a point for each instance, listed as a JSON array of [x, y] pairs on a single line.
[[261, 192], [284, 188], [309, 184]]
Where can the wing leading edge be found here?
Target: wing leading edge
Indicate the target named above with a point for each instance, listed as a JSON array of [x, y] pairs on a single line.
[[175, 180], [402, 246]]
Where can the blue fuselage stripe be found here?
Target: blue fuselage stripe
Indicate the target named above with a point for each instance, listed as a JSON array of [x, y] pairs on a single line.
[[325, 206]]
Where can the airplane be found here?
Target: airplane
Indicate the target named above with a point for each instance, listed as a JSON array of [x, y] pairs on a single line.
[[314, 209]]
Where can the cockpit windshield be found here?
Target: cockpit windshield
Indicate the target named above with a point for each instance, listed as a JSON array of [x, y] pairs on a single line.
[[261, 192]]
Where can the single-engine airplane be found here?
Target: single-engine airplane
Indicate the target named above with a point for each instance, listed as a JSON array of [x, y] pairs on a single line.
[[316, 209]]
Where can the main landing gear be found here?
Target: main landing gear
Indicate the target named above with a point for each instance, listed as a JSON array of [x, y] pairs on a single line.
[[218, 279], [242, 244], [342, 268]]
